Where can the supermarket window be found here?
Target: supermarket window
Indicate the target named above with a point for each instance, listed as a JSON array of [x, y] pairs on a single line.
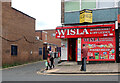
[[14, 50]]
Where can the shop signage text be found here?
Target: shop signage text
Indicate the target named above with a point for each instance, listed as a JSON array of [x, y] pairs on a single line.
[[72, 33]]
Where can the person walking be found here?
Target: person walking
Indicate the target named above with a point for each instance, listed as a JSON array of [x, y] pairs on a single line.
[[84, 52], [48, 60], [52, 61]]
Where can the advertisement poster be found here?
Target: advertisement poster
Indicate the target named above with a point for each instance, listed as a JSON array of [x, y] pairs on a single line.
[[79, 49], [86, 16], [102, 49], [64, 49]]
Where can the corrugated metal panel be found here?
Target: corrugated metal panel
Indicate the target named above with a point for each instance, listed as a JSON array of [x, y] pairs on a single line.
[[100, 15], [72, 17]]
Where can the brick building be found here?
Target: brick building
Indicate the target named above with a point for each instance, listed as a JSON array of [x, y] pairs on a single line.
[[49, 41], [18, 37]]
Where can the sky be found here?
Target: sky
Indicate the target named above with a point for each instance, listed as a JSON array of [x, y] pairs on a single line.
[[46, 12]]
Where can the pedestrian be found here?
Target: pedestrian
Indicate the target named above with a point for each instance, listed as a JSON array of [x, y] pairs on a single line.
[[48, 59], [48, 62], [52, 60], [84, 52]]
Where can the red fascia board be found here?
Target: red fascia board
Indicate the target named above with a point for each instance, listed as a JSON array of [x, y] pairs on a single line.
[[88, 26]]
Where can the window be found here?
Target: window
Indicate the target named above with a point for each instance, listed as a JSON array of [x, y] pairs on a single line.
[[72, 5], [37, 38], [14, 50], [88, 4], [46, 37], [106, 3], [53, 34], [77, 5], [40, 51]]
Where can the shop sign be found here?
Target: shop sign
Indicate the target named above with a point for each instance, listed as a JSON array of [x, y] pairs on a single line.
[[86, 16], [100, 48], [85, 32]]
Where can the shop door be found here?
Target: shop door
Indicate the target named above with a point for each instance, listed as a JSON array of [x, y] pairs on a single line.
[[72, 49], [44, 52]]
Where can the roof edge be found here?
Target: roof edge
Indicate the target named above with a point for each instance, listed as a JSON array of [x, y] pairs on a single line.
[[23, 13]]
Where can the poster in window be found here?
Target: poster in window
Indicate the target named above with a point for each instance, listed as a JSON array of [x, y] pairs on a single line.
[[100, 48], [79, 49], [64, 49]]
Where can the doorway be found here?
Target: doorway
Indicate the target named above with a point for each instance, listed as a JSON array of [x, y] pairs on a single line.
[[44, 51], [72, 49]]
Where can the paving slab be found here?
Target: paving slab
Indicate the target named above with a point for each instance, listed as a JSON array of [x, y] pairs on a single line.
[[73, 68]]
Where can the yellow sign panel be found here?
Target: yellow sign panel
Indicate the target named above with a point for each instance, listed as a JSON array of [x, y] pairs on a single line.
[[86, 16]]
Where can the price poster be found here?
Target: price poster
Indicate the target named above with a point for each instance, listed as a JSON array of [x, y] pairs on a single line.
[[100, 49]]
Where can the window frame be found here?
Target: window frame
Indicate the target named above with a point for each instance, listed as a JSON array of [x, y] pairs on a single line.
[[12, 51], [41, 51], [115, 5]]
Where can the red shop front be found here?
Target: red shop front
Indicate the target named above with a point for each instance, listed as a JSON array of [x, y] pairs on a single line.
[[100, 39]]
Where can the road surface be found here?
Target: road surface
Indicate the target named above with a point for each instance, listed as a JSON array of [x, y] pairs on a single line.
[[29, 73]]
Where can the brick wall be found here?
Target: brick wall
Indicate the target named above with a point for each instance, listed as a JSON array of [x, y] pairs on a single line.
[[39, 34], [18, 25], [50, 34], [50, 38]]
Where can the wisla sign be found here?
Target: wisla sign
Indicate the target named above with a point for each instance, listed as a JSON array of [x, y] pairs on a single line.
[[84, 32]]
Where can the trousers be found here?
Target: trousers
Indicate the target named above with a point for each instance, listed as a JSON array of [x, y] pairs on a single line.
[[48, 66], [83, 67]]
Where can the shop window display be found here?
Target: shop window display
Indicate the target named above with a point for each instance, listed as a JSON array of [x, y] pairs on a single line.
[[100, 48]]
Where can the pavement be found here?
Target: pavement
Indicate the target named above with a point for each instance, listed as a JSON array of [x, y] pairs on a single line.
[[73, 68], [29, 73]]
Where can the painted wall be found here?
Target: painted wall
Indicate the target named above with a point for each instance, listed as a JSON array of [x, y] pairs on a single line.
[[71, 17]]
